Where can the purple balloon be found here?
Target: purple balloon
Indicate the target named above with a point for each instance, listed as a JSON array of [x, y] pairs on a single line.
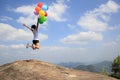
[[35, 13]]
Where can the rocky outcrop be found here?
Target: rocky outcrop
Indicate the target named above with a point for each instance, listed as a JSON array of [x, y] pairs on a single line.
[[38, 70]]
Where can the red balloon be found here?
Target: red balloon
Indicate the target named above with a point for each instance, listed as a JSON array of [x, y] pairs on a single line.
[[40, 4], [46, 14]]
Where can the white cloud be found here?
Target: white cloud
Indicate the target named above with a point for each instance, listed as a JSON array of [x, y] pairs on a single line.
[[8, 32], [117, 27], [60, 48], [18, 46], [91, 23], [5, 18], [57, 10], [28, 14], [58, 54], [82, 37], [42, 37], [109, 7], [26, 10], [97, 19], [27, 20], [46, 53]]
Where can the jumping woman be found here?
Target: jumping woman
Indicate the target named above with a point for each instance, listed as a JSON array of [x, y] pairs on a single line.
[[35, 43]]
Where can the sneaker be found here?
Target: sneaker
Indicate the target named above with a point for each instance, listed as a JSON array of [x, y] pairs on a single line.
[[27, 45]]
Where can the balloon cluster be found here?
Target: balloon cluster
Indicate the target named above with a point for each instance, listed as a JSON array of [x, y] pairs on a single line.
[[41, 10]]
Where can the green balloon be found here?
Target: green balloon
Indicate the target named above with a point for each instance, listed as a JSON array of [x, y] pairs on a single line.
[[42, 19]]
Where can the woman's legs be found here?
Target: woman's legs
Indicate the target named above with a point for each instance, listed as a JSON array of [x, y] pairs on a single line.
[[37, 46], [33, 46]]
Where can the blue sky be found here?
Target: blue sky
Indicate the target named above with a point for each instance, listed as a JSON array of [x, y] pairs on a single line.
[[85, 31]]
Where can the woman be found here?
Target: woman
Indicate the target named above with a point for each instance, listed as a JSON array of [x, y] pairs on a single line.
[[34, 29]]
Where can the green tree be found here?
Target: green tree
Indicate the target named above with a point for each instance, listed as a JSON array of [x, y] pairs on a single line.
[[116, 67], [104, 71]]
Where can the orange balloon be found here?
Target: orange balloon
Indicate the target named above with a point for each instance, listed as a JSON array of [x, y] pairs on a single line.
[[37, 9]]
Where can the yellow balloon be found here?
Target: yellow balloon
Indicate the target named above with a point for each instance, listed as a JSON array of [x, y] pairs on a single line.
[[41, 13]]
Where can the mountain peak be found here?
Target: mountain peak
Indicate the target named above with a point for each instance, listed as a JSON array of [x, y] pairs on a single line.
[[38, 70]]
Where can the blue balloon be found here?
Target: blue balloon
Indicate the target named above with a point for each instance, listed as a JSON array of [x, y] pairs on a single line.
[[45, 7]]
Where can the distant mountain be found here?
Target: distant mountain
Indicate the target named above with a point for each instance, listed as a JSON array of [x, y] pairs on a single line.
[[39, 70], [98, 67], [90, 68], [70, 64], [106, 64]]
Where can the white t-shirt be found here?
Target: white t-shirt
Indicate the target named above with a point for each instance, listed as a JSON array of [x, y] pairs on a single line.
[[35, 33]]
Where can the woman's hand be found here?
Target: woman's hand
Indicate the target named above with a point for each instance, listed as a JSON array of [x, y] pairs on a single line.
[[27, 26], [24, 24]]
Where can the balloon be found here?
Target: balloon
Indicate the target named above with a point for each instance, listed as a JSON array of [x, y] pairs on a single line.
[[40, 4], [46, 14], [40, 21], [35, 13], [41, 13], [45, 7], [40, 10], [43, 18], [37, 9]]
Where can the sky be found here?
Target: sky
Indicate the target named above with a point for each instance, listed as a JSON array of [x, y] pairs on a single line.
[[86, 31]]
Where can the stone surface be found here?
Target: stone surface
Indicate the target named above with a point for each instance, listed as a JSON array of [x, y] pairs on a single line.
[[38, 70]]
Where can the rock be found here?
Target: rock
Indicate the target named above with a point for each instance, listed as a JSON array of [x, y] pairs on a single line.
[[38, 70]]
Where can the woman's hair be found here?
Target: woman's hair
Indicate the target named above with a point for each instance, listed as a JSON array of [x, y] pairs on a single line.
[[33, 26]]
